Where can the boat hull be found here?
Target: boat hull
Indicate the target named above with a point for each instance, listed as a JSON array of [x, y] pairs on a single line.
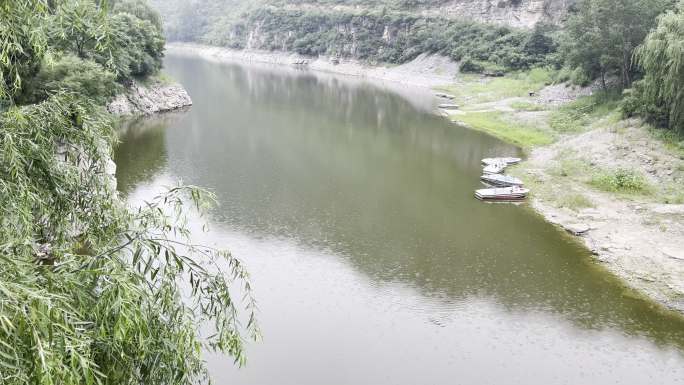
[[502, 194], [492, 180], [507, 161]]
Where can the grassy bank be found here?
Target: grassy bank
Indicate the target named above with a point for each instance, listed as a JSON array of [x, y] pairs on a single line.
[[515, 109], [511, 109]]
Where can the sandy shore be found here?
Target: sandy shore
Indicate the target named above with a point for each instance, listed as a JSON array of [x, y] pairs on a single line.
[[424, 71], [637, 239]]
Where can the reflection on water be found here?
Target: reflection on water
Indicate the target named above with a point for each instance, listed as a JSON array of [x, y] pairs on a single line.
[[353, 209]]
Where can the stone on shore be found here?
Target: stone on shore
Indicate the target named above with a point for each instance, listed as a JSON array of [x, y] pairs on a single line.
[[146, 100]]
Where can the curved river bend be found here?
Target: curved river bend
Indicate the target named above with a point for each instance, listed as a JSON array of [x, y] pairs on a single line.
[[352, 207]]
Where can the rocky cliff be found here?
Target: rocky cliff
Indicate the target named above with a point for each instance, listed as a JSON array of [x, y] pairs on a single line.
[[141, 99], [514, 13]]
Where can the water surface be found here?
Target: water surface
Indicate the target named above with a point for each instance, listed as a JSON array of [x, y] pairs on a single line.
[[352, 207]]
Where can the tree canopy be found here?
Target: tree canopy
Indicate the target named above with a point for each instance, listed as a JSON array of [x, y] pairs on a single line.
[[661, 56], [92, 291]]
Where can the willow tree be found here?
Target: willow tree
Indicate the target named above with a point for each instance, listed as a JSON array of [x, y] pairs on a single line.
[[661, 57], [92, 291]]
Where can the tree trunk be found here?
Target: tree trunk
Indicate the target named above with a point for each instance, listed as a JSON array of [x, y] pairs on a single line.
[[603, 79]]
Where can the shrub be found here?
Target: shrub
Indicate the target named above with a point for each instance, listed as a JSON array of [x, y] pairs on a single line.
[[620, 180], [74, 75]]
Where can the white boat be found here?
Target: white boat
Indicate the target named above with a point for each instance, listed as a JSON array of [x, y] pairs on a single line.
[[508, 161], [448, 106], [444, 95], [502, 194], [495, 168], [501, 180]]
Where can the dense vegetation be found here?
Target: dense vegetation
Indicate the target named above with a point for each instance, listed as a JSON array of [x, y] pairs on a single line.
[[92, 292], [385, 35], [638, 42], [597, 42], [659, 96]]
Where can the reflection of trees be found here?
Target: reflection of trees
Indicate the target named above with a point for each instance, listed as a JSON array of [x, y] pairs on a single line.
[[345, 167], [142, 151]]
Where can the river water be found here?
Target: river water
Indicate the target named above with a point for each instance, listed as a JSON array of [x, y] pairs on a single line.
[[352, 207]]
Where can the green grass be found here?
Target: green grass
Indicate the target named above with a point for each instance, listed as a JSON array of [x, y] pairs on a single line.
[[574, 201], [521, 105], [570, 167], [517, 84], [622, 181], [494, 123], [672, 140], [577, 116]]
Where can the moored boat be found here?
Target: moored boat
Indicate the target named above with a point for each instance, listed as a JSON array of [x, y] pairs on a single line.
[[444, 95], [502, 194], [501, 180], [448, 106], [507, 160], [494, 168]]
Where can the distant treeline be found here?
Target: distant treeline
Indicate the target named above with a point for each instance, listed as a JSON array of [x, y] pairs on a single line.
[[599, 41], [382, 36]]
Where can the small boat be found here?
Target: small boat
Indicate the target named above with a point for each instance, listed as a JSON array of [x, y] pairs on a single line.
[[508, 161], [448, 106], [502, 194], [495, 168], [501, 180], [445, 96]]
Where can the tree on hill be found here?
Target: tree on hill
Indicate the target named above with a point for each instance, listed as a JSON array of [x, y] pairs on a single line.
[[660, 95], [602, 35]]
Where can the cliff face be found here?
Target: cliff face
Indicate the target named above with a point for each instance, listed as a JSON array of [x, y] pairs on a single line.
[[378, 31], [514, 13], [146, 100]]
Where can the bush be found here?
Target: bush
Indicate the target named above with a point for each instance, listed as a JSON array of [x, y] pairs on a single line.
[[74, 75], [620, 180]]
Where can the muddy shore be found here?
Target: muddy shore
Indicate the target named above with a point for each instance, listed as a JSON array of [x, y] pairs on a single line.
[[637, 238]]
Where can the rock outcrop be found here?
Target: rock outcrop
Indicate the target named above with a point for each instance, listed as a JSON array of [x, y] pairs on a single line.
[[139, 99]]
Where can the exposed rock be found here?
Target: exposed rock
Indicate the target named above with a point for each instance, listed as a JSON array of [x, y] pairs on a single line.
[[146, 100], [673, 253], [577, 228]]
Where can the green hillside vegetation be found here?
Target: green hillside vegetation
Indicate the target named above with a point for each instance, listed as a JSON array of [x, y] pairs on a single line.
[[385, 33], [90, 289], [598, 41]]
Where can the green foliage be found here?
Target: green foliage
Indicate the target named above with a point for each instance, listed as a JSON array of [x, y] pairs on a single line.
[[126, 44], [579, 114], [72, 74], [620, 180], [92, 292], [389, 35], [602, 35], [22, 45], [660, 96], [139, 47]]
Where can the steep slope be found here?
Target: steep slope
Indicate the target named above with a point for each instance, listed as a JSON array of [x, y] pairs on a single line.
[[482, 34]]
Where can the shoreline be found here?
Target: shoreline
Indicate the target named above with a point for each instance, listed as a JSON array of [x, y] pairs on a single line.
[[633, 238], [426, 71]]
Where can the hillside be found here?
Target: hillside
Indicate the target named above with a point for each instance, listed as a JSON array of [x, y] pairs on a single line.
[[389, 31]]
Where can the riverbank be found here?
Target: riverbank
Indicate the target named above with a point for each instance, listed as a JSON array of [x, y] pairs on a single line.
[[155, 95], [614, 183], [611, 182], [424, 71]]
